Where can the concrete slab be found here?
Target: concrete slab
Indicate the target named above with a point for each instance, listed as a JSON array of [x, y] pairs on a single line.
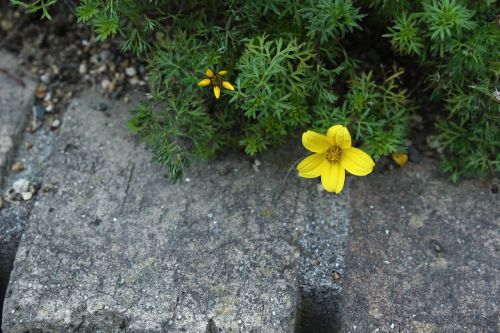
[[322, 262], [34, 150], [16, 98], [422, 255], [116, 247]]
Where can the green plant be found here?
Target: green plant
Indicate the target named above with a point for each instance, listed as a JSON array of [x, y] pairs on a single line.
[[462, 46], [292, 65], [36, 6], [378, 113]]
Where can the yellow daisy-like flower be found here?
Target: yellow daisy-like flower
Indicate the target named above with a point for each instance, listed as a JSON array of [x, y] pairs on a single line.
[[333, 155], [217, 81]]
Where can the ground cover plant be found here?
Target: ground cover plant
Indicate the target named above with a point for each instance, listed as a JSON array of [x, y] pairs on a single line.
[[247, 74]]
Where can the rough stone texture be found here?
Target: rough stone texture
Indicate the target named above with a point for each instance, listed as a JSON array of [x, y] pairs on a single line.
[[422, 254], [15, 105], [15, 215], [322, 265], [117, 247]]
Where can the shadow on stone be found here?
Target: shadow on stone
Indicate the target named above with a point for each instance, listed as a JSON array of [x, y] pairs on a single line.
[[318, 312]]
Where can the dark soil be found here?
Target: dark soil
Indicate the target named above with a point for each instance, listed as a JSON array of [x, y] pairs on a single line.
[[64, 56]]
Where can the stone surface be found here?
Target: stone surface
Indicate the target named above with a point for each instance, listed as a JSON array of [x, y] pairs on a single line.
[[14, 215], [423, 254], [15, 107], [115, 246], [322, 267]]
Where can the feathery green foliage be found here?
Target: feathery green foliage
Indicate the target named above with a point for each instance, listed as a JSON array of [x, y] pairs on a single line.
[[291, 64], [462, 46]]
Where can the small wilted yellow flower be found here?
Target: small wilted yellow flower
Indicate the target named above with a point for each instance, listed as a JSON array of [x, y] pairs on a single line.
[[216, 81], [400, 158], [333, 155]]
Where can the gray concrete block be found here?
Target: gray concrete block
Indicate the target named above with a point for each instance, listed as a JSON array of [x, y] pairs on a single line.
[[422, 254], [322, 267], [116, 247], [15, 107]]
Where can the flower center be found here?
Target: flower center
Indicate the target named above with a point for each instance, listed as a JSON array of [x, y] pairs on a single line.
[[216, 80], [333, 154]]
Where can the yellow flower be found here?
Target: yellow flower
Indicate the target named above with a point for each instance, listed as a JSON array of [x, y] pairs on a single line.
[[216, 81], [400, 158], [333, 155]]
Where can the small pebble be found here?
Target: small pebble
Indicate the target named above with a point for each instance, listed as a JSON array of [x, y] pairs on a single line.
[[38, 112], [55, 124], [134, 81], [105, 83], [130, 71], [55, 69], [6, 25], [104, 55], [94, 59], [21, 185], [101, 69], [82, 69], [17, 167], [41, 92], [45, 78], [49, 107], [27, 196], [256, 165]]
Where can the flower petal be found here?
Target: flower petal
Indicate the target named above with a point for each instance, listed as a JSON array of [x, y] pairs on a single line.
[[315, 142], [227, 85], [340, 136], [357, 162], [221, 73], [400, 158], [217, 92], [333, 177], [209, 73], [311, 166], [332, 131], [204, 83]]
